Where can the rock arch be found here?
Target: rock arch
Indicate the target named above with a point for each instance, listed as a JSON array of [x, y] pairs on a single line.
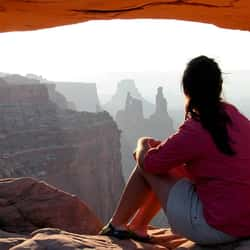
[[36, 14]]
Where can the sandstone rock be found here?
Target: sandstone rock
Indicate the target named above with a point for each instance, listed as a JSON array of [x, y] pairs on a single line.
[[8, 240], [27, 205], [56, 239], [16, 15]]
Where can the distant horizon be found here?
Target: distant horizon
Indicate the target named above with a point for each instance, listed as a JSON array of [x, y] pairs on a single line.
[[236, 84], [225, 72], [151, 52]]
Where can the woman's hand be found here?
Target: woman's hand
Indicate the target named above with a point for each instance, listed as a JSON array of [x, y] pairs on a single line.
[[145, 142], [143, 145]]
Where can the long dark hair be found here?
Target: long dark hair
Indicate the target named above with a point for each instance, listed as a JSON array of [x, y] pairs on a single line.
[[202, 85]]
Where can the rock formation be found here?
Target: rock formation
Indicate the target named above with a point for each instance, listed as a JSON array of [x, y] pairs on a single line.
[[133, 125], [56, 239], [161, 103], [131, 121], [118, 100], [76, 151], [15, 15], [30, 209], [27, 205], [160, 124]]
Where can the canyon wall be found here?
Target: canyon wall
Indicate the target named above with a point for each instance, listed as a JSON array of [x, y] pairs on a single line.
[[29, 93], [76, 151]]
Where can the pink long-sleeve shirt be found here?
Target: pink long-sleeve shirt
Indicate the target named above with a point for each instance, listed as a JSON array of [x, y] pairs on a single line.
[[222, 182]]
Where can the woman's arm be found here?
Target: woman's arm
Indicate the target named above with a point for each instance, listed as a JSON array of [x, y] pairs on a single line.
[[186, 145]]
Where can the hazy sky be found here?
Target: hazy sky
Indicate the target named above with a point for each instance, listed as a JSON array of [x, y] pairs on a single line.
[[78, 51]]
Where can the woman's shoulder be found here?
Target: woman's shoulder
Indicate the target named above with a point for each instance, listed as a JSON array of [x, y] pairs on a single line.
[[234, 112], [192, 125], [229, 106]]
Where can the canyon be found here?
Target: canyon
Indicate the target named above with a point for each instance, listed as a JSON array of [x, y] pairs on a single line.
[[78, 152], [30, 15]]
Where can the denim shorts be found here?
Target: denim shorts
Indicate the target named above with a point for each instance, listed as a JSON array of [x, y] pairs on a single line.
[[185, 216]]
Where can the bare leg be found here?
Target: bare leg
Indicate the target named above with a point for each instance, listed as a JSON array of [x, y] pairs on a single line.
[[134, 195], [139, 224], [152, 205], [137, 191]]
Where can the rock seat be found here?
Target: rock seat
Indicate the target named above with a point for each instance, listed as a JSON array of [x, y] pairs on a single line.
[[37, 216], [56, 239]]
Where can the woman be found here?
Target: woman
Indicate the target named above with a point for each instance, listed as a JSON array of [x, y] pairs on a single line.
[[210, 204]]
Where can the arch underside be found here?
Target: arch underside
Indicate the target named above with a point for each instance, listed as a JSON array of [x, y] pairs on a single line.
[[20, 15]]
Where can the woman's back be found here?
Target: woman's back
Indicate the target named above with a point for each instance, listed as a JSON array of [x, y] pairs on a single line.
[[222, 181]]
